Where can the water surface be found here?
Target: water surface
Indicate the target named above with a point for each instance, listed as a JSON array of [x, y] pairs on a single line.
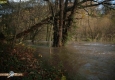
[[84, 61]]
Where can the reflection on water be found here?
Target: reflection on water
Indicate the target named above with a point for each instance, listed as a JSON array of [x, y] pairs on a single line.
[[84, 61]]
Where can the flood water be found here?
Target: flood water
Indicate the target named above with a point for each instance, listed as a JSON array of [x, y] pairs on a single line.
[[84, 61]]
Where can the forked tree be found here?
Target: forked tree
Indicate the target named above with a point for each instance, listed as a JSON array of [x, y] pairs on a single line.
[[63, 12]]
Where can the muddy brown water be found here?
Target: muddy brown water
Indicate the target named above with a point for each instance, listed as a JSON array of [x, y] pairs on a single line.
[[83, 61]]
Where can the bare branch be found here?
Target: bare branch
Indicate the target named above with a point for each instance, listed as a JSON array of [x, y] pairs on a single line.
[[77, 5], [32, 28]]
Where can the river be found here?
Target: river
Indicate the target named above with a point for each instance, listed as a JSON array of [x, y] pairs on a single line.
[[84, 61]]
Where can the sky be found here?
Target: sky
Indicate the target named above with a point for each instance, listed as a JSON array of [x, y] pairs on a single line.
[[100, 7], [18, 0], [110, 1]]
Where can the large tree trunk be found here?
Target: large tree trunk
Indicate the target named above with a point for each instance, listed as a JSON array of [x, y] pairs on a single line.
[[65, 23], [65, 31], [58, 26], [55, 34], [62, 27], [61, 22]]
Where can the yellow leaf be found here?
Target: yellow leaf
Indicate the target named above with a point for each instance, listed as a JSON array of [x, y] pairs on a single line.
[[83, 14], [63, 77]]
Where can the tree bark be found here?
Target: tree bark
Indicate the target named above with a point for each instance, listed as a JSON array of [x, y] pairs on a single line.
[[64, 23], [58, 26], [61, 22]]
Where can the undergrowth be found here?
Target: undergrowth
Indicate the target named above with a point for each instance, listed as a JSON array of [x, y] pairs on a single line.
[[21, 59]]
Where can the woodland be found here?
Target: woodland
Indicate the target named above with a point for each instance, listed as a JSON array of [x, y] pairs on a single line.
[[53, 23]]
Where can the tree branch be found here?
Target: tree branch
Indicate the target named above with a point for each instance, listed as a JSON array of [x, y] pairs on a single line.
[[32, 28], [77, 5]]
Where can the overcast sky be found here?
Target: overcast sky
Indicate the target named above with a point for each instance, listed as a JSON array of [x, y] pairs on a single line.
[[18, 0]]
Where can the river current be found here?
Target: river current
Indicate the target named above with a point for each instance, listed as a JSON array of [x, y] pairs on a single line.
[[84, 61]]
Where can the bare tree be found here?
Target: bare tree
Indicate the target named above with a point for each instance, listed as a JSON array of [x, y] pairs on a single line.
[[62, 20]]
